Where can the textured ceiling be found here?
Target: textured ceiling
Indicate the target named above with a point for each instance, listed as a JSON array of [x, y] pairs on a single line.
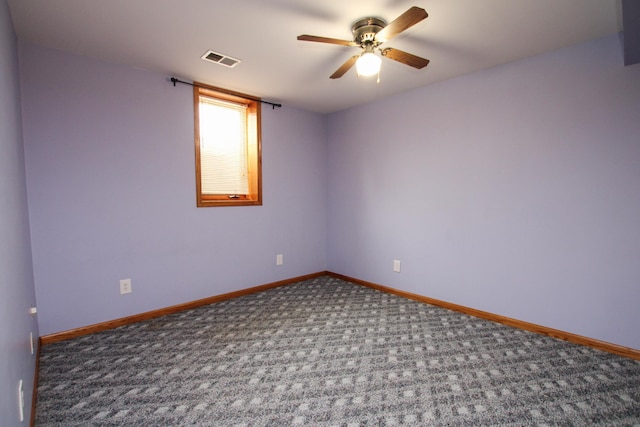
[[459, 37]]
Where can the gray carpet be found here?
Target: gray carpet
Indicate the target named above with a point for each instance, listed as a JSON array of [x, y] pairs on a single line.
[[327, 352]]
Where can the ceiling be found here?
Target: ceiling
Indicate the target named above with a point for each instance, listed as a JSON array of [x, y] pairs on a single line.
[[170, 36]]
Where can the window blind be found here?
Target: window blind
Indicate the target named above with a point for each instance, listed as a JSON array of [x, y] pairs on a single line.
[[223, 147]]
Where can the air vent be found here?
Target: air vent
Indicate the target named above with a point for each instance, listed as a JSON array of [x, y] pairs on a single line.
[[220, 58]]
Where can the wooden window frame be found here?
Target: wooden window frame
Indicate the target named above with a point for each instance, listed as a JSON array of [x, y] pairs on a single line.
[[254, 148]]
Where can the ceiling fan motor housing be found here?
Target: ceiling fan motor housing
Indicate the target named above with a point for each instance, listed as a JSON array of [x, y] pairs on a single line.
[[365, 30]]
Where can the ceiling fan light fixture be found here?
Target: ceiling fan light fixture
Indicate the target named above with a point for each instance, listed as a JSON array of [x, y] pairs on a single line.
[[369, 34], [368, 64]]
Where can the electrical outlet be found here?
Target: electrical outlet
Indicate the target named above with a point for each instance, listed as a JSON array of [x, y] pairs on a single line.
[[279, 259], [125, 286], [396, 266], [20, 401]]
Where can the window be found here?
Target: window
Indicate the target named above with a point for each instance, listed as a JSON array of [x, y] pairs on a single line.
[[228, 148]]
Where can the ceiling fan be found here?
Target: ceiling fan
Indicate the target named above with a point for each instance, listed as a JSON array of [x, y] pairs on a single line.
[[369, 34]]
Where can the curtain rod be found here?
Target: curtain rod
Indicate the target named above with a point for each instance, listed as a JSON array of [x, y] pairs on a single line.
[[273, 104]]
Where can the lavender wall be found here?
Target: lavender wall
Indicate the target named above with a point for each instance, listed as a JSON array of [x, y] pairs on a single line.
[[16, 272], [110, 173], [514, 190]]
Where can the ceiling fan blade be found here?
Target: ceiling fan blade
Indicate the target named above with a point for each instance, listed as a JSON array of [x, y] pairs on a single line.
[[308, 38], [401, 23], [345, 67], [405, 58]]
